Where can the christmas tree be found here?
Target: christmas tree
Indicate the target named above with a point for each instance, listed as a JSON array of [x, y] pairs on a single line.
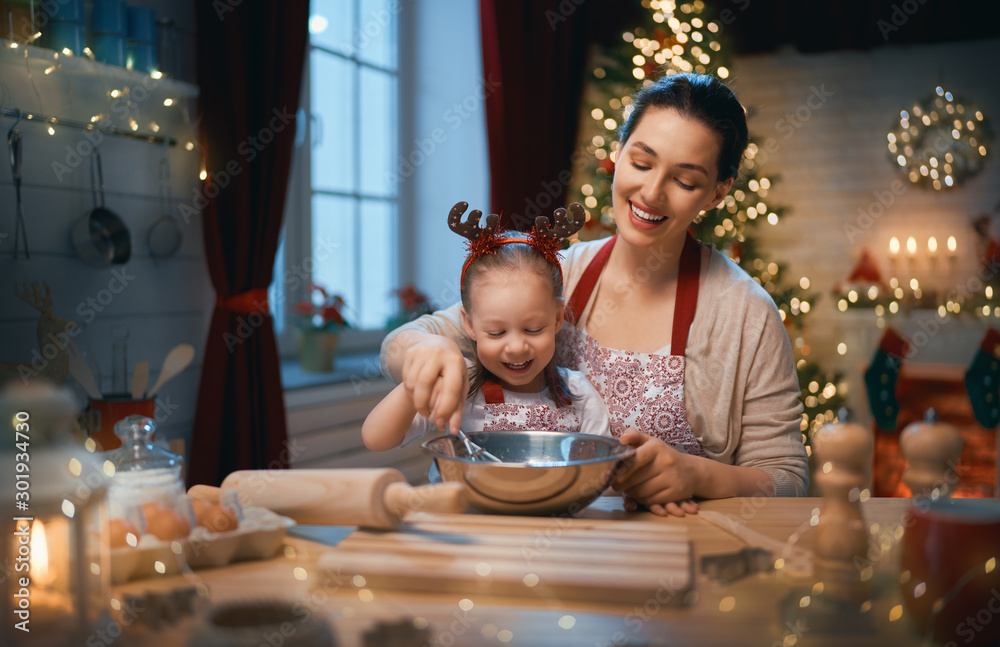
[[686, 38]]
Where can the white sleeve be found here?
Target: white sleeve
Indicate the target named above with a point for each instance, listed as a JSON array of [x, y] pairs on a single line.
[[418, 429], [588, 402]]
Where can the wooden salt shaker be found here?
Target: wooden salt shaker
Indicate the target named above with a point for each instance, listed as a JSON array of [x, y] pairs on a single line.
[[844, 456], [932, 450]]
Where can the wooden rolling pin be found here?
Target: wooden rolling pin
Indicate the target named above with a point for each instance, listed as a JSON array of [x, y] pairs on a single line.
[[373, 498]]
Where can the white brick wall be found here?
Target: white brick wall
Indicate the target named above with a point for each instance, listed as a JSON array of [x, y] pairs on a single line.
[[832, 163]]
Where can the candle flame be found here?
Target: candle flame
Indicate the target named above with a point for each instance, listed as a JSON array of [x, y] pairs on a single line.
[[38, 564], [911, 245], [893, 245], [952, 244]]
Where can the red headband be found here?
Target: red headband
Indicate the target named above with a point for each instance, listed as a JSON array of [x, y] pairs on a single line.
[[545, 239]]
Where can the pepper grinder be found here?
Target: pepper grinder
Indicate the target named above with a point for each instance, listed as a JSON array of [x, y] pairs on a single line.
[[844, 454], [932, 450]]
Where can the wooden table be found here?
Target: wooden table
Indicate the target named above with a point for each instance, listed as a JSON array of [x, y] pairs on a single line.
[[763, 609]]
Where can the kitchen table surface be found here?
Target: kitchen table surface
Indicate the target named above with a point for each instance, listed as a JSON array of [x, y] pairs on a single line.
[[768, 608]]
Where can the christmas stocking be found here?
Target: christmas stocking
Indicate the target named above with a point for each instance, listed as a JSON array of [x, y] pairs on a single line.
[[881, 376], [982, 380]]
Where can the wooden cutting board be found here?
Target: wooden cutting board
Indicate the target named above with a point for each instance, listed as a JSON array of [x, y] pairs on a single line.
[[554, 558]]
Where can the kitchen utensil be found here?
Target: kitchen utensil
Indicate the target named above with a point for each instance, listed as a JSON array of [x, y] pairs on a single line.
[[140, 379], [543, 472], [177, 360], [20, 231], [165, 235], [798, 561], [81, 372], [375, 498], [598, 560], [119, 359], [100, 236], [475, 451]]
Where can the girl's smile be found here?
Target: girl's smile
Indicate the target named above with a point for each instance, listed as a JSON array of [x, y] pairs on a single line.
[[514, 326]]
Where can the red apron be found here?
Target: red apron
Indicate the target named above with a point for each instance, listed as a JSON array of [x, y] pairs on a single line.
[[500, 416], [641, 390]]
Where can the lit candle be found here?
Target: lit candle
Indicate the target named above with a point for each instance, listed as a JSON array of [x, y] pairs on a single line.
[[893, 247], [911, 246], [932, 246], [952, 245]]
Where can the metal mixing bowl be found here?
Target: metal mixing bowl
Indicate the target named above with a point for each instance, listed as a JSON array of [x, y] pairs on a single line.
[[542, 473]]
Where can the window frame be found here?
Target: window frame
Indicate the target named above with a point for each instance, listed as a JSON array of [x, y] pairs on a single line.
[[297, 225]]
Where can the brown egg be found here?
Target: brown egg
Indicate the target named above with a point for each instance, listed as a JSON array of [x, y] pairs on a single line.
[[215, 517], [165, 523], [119, 531]]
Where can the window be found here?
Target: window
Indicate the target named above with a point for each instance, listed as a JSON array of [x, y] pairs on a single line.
[[343, 206]]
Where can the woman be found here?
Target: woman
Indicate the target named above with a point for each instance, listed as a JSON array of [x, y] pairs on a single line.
[[688, 352]]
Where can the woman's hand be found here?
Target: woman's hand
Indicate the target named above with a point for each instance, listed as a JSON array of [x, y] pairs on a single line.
[[436, 380], [660, 477]]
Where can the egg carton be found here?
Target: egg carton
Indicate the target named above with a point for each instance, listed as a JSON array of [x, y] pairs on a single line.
[[259, 536]]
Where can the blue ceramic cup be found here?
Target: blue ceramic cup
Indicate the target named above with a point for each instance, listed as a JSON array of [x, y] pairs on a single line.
[[141, 57], [64, 35], [141, 24], [109, 17], [110, 49]]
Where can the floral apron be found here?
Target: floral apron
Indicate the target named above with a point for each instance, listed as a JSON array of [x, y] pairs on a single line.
[[641, 390], [500, 416]]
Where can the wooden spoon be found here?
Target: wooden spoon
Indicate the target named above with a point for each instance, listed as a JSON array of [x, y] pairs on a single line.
[[140, 379], [177, 360], [81, 372]]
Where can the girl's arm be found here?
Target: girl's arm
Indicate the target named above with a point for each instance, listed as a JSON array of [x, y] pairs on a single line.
[[387, 424]]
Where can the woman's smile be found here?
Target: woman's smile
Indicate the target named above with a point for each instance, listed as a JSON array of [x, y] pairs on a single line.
[[645, 218]]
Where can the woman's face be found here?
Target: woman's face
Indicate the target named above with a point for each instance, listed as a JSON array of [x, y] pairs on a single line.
[[666, 174]]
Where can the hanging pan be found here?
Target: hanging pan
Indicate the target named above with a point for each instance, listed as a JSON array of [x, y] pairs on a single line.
[[100, 236]]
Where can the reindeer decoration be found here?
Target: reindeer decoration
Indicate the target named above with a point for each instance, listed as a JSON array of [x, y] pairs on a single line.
[[51, 359]]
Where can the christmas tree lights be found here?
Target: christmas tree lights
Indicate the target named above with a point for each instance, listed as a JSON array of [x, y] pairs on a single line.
[[683, 37]]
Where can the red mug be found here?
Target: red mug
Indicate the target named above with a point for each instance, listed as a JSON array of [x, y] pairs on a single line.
[[105, 413], [951, 550]]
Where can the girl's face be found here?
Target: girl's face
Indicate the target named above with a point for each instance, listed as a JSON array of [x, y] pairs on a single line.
[[514, 321], [666, 174]]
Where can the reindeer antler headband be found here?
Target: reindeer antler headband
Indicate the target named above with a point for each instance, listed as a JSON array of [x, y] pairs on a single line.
[[544, 237]]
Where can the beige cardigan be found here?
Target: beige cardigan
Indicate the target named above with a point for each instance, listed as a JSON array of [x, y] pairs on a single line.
[[741, 388]]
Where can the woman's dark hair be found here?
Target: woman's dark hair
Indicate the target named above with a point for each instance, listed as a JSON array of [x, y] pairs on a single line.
[[507, 258], [701, 97]]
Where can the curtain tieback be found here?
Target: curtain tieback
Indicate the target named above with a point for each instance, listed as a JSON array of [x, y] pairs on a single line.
[[246, 303]]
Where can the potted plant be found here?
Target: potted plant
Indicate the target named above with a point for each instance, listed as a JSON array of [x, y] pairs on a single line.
[[320, 320]]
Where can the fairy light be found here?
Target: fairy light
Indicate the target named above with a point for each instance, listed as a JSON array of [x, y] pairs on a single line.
[[963, 140]]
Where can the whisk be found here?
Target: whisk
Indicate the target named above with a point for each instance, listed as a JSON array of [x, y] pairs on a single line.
[[475, 451]]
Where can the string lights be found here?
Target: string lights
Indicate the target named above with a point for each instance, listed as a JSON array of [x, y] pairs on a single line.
[[941, 141]]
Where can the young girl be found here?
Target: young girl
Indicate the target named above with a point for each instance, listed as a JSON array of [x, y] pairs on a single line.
[[511, 309], [688, 352]]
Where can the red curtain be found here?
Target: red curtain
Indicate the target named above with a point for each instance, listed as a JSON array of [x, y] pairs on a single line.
[[534, 55], [250, 58]]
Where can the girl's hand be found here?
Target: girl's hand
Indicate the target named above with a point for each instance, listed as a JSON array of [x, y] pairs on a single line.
[[436, 380], [660, 477]]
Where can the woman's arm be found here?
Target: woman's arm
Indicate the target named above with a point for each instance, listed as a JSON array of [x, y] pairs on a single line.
[[387, 424], [426, 356]]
